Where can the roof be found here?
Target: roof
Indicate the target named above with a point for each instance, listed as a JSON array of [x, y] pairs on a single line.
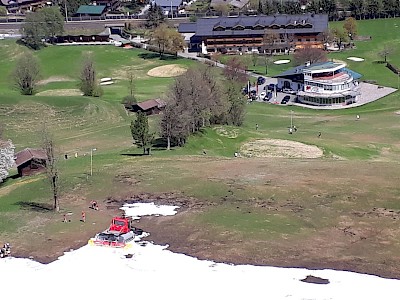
[[168, 3], [187, 27], [149, 104], [27, 154], [304, 23], [235, 3], [353, 73], [327, 65], [91, 9]]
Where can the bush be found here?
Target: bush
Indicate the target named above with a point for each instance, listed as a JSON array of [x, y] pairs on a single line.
[[129, 101], [97, 91]]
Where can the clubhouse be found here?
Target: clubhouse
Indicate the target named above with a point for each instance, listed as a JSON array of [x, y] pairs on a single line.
[[322, 84], [246, 33]]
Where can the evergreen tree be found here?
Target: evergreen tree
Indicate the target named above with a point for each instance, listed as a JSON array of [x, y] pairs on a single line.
[[140, 132], [155, 16]]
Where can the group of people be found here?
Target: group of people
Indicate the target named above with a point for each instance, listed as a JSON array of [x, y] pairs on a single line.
[[5, 251], [93, 205]]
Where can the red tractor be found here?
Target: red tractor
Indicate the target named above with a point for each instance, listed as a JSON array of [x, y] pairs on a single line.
[[118, 234]]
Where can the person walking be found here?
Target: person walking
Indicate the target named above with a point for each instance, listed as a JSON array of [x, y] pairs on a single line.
[[256, 126], [319, 134], [83, 218]]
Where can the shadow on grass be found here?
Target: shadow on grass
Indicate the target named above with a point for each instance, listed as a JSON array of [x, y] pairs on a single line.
[[153, 55], [35, 206], [379, 62], [133, 154]]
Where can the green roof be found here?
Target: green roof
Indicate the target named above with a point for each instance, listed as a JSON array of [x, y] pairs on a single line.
[[91, 9]]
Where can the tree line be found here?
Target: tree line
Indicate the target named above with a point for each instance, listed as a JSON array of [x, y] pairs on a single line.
[[359, 9]]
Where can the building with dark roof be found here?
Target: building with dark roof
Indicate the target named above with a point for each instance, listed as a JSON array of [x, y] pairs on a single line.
[[30, 161], [246, 33], [322, 84], [167, 5], [21, 6], [149, 107]]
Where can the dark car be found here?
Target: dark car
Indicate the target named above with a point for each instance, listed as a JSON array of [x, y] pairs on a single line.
[[285, 100], [273, 87], [268, 96], [260, 80]]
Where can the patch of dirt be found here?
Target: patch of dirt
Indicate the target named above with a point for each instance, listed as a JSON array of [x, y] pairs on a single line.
[[230, 133], [61, 92], [167, 71], [379, 212], [315, 280], [54, 79], [279, 148]]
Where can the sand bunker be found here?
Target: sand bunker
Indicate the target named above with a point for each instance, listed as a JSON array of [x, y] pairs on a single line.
[[282, 61], [167, 71], [355, 58], [279, 148], [61, 92]]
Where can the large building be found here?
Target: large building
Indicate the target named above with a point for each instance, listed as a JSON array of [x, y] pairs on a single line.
[[277, 34], [327, 83]]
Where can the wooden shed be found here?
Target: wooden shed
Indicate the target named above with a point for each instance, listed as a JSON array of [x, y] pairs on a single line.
[[149, 107], [30, 161]]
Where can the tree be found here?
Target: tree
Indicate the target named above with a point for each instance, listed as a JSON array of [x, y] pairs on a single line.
[[7, 158], [340, 36], [350, 26], [173, 124], [130, 99], [3, 11], [52, 172], [235, 70], [254, 58], [88, 84], [53, 21], [140, 132], [71, 5], [155, 16], [260, 9], [222, 8], [167, 39], [26, 74], [269, 39], [237, 103], [309, 54], [33, 31], [40, 25], [387, 50]]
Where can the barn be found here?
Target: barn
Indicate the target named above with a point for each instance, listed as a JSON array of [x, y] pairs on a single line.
[[30, 161], [149, 107]]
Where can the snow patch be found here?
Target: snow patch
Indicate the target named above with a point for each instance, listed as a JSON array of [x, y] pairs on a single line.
[[148, 271], [282, 61], [355, 58]]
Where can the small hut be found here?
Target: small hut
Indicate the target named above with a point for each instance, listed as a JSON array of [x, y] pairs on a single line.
[[30, 161]]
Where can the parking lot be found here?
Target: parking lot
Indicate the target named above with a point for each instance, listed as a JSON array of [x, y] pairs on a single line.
[[369, 93]]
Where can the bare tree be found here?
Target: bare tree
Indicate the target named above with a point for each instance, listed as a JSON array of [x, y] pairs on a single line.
[[88, 84], [387, 50], [26, 74], [235, 70], [130, 99], [309, 54], [269, 39], [52, 171]]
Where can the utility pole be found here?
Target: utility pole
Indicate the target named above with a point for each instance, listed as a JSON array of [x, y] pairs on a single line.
[[66, 11], [91, 160], [172, 13]]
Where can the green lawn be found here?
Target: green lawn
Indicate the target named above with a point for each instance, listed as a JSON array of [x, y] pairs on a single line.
[[205, 167]]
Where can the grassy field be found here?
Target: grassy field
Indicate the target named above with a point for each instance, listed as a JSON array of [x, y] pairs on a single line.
[[284, 211]]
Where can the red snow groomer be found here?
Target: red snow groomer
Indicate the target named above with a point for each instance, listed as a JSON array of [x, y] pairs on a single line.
[[118, 234]]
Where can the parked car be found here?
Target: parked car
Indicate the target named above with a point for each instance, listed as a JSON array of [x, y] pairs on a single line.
[[273, 86], [260, 80], [285, 100], [263, 94], [289, 91], [268, 96]]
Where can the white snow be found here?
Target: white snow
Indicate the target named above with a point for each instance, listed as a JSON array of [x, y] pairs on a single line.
[[282, 61], [154, 272], [355, 58]]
